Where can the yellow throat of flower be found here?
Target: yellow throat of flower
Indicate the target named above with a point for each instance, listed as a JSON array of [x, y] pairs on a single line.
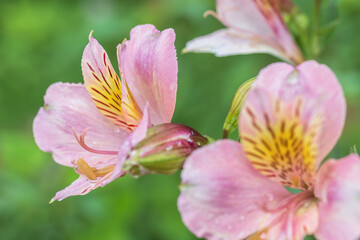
[[283, 148]]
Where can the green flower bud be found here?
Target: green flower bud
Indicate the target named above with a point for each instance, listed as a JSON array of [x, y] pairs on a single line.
[[231, 121], [164, 149]]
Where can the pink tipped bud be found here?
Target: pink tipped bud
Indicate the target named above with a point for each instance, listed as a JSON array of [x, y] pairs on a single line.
[[164, 149]]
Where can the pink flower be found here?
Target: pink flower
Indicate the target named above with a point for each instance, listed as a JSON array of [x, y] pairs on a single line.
[[115, 113], [253, 26], [290, 121]]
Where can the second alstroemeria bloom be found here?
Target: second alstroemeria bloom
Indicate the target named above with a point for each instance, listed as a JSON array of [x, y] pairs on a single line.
[[290, 121], [114, 111], [253, 26]]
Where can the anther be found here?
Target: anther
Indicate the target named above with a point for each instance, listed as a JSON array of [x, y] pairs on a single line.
[[85, 169]]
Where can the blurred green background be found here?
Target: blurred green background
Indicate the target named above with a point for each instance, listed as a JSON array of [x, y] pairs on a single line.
[[41, 42]]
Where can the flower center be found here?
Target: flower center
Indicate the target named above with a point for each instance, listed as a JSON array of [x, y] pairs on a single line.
[[283, 147]]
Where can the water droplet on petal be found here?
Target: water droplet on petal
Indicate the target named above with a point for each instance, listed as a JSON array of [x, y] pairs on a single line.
[[242, 218]]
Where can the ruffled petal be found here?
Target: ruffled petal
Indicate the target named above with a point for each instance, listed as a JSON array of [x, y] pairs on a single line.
[[149, 66], [227, 42], [68, 108], [287, 125], [338, 189], [223, 196]]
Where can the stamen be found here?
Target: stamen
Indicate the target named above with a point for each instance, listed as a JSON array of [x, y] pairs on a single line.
[[85, 169], [91, 172], [103, 171], [82, 143]]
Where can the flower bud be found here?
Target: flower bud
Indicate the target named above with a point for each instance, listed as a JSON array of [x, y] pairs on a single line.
[[231, 121], [163, 150]]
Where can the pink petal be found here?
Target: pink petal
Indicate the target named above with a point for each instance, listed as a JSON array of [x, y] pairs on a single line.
[[227, 42], [244, 16], [148, 63], [299, 217], [103, 84], [69, 107], [338, 190], [140, 132], [321, 79], [125, 150], [273, 17], [320, 89], [80, 186], [253, 26], [223, 196], [309, 94]]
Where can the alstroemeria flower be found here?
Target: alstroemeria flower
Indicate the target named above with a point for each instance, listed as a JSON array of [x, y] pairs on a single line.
[[290, 121], [115, 113], [253, 26]]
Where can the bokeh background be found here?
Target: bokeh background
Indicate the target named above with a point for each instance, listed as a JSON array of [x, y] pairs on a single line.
[[41, 42]]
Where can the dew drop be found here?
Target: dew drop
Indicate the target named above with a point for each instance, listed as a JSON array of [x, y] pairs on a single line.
[[242, 218]]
